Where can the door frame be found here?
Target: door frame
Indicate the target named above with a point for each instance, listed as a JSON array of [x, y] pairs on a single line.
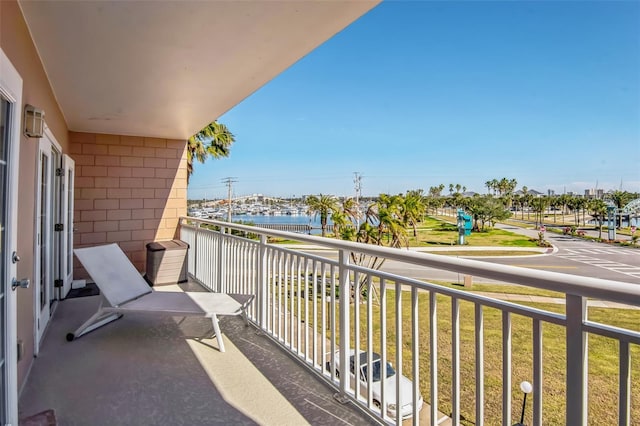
[[43, 235], [66, 215], [11, 90], [56, 242]]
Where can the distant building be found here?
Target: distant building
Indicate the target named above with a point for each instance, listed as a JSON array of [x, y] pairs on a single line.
[[530, 192], [594, 193]]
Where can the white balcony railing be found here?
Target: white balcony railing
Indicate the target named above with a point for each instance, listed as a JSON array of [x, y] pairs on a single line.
[[309, 305]]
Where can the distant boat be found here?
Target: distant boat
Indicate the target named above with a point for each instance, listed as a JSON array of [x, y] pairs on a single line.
[[196, 213]]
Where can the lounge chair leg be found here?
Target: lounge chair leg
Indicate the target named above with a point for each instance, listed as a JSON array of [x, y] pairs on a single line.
[[216, 329], [97, 320], [244, 306], [246, 317]]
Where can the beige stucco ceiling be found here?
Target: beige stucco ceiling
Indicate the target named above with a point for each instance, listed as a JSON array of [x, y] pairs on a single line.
[[167, 68]]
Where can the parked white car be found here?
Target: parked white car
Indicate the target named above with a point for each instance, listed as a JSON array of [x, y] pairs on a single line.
[[376, 384]]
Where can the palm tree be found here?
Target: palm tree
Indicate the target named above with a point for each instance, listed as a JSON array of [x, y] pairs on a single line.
[[554, 202], [502, 186], [340, 223], [344, 219], [582, 205], [413, 209], [489, 185], [382, 218], [389, 215], [539, 205], [573, 205], [214, 140], [350, 209], [620, 199], [517, 203], [324, 205], [598, 210], [563, 201], [494, 185]]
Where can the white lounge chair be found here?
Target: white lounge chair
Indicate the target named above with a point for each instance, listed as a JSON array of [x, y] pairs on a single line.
[[124, 290]]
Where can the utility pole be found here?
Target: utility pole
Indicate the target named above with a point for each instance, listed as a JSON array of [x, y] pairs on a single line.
[[357, 181], [229, 181]]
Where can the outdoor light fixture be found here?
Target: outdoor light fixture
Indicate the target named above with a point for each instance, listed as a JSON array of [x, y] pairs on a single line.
[[526, 388], [33, 122]]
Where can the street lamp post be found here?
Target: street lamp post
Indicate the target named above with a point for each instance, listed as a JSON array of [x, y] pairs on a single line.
[[612, 211]]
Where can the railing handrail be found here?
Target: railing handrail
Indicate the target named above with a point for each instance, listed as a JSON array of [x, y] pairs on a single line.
[[609, 290]]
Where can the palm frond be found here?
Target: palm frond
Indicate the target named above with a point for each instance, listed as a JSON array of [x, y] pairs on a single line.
[[214, 140]]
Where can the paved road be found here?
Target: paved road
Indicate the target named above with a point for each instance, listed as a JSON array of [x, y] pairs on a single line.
[[581, 257], [571, 256]]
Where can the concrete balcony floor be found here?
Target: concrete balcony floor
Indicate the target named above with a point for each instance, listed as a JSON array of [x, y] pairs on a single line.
[[147, 369]]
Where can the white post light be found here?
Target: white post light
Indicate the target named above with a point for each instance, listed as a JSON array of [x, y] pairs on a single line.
[[525, 387]]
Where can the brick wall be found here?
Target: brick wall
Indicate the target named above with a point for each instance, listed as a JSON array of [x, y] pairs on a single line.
[[128, 190]]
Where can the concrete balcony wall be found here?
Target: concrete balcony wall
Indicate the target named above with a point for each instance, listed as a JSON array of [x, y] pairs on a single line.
[[128, 190]]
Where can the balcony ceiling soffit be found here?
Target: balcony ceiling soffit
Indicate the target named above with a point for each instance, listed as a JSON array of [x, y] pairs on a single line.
[[166, 69]]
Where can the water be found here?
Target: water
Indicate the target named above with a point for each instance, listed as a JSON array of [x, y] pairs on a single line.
[[313, 221]]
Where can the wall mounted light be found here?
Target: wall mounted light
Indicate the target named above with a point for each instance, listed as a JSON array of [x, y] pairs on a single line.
[[33, 122]]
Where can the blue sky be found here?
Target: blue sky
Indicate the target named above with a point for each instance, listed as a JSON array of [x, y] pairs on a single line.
[[415, 94]]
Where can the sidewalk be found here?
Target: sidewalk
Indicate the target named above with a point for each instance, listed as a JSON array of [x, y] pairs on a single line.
[[553, 300], [541, 250]]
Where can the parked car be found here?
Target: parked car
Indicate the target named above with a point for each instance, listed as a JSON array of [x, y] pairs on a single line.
[[376, 383]]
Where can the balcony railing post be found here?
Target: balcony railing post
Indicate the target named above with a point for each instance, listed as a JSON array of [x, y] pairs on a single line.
[[577, 357], [221, 260], [345, 302], [194, 252], [262, 289]]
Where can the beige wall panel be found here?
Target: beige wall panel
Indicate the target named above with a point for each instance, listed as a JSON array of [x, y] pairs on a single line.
[[16, 43], [126, 194]]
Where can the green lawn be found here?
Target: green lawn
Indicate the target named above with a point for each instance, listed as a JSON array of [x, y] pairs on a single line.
[[436, 231]]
